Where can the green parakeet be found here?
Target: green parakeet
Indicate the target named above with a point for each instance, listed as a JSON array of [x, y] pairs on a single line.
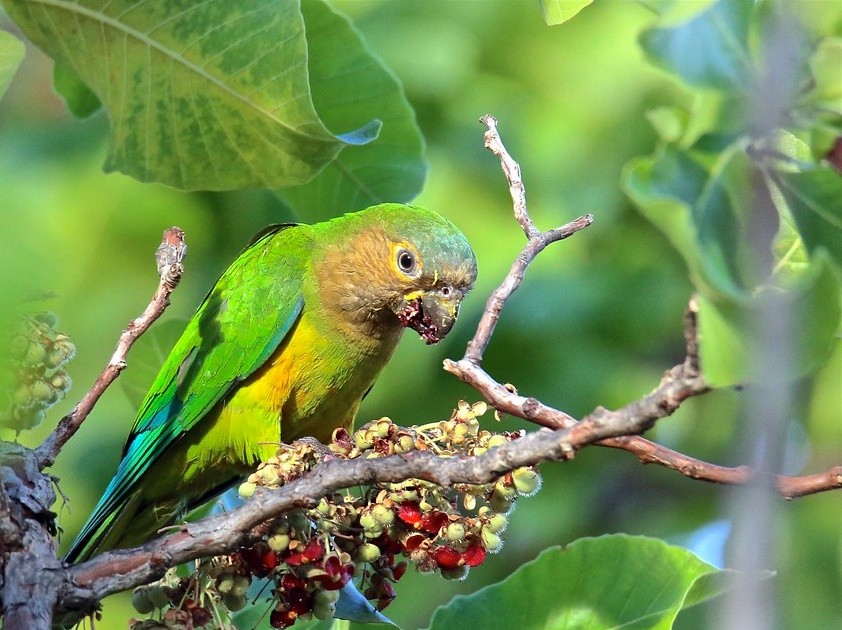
[[285, 345]]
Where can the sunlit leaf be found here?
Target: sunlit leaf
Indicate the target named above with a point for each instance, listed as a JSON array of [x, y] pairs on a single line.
[[211, 95], [559, 11], [350, 86], [594, 583], [709, 50], [12, 51]]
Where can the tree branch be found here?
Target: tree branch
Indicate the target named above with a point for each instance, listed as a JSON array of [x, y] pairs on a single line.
[[169, 256], [681, 382]]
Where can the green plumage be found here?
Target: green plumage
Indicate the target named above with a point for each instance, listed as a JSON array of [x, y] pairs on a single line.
[[286, 344]]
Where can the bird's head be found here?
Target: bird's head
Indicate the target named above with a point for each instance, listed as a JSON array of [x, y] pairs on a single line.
[[398, 264]]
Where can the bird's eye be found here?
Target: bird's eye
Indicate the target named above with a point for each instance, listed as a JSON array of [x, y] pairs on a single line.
[[406, 261], [446, 291]]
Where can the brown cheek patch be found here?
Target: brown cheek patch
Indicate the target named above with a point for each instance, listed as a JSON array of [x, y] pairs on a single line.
[[412, 316]]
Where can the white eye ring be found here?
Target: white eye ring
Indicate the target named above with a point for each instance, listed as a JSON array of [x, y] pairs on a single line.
[[406, 261]]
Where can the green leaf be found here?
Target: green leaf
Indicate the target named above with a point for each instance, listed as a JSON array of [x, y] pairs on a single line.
[[815, 199], [669, 123], [77, 96], [207, 95], [12, 51], [350, 85], [825, 64], [692, 205], [593, 583], [728, 336], [710, 50], [559, 11]]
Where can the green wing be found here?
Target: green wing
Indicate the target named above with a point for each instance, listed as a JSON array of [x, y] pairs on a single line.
[[241, 322]]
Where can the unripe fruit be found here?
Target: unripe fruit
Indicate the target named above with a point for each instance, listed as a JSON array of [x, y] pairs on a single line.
[[141, 602], [246, 489], [278, 542], [497, 523], [240, 586], [42, 393], [61, 380], [459, 573], [383, 515], [491, 541], [368, 552], [234, 602], [527, 481], [158, 596], [455, 532], [35, 354], [367, 521], [225, 582]]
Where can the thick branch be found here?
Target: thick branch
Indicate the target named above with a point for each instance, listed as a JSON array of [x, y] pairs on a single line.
[[169, 256]]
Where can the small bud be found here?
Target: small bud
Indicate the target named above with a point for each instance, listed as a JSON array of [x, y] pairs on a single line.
[[61, 380], [246, 489]]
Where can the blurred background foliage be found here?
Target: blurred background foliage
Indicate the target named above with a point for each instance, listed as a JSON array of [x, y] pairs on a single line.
[[596, 322]]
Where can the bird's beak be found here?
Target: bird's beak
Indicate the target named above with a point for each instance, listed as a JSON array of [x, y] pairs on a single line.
[[431, 313]]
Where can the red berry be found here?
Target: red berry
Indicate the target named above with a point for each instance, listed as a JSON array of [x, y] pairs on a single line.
[[446, 557], [433, 522], [413, 541], [474, 555], [282, 618], [409, 513], [314, 550], [399, 570]]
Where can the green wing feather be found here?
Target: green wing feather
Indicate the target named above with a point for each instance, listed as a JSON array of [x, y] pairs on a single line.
[[241, 322]]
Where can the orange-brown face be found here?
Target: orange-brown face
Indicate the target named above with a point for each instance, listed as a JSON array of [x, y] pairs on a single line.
[[413, 273]]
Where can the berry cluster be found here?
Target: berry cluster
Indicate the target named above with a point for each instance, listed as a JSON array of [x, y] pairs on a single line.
[[370, 533], [38, 355]]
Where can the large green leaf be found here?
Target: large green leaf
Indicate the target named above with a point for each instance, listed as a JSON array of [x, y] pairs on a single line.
[[350, 86], [710, 50], [77, 96], [12, 51], [728, 338], [815, 199], [201, 94], [559, 11], [691, 204], [594, 583]]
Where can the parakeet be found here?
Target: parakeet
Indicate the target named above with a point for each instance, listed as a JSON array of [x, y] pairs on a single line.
[[285, 345]]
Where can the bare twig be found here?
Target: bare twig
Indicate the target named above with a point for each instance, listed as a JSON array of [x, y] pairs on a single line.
[[681, 382], [169, 256]]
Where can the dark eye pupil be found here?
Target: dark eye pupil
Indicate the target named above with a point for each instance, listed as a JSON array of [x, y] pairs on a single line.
[[406, 261]]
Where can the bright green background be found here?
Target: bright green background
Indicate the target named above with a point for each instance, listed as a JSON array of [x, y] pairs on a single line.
[[596, 322]]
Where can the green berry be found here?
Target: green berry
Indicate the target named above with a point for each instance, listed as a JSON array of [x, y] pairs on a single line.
[[278, 542], [22, 396], [458, 573], [367, 521], [35, 354], [246, 489], [324, 603], [455, 532], [234, 602], [527, 481], [44, 394], [490, 540], [383, 515], [141, 601], [224, 583], [497, 523], [368, 552], [18, 346], [60, 380], [158, 596], [240, 586]]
